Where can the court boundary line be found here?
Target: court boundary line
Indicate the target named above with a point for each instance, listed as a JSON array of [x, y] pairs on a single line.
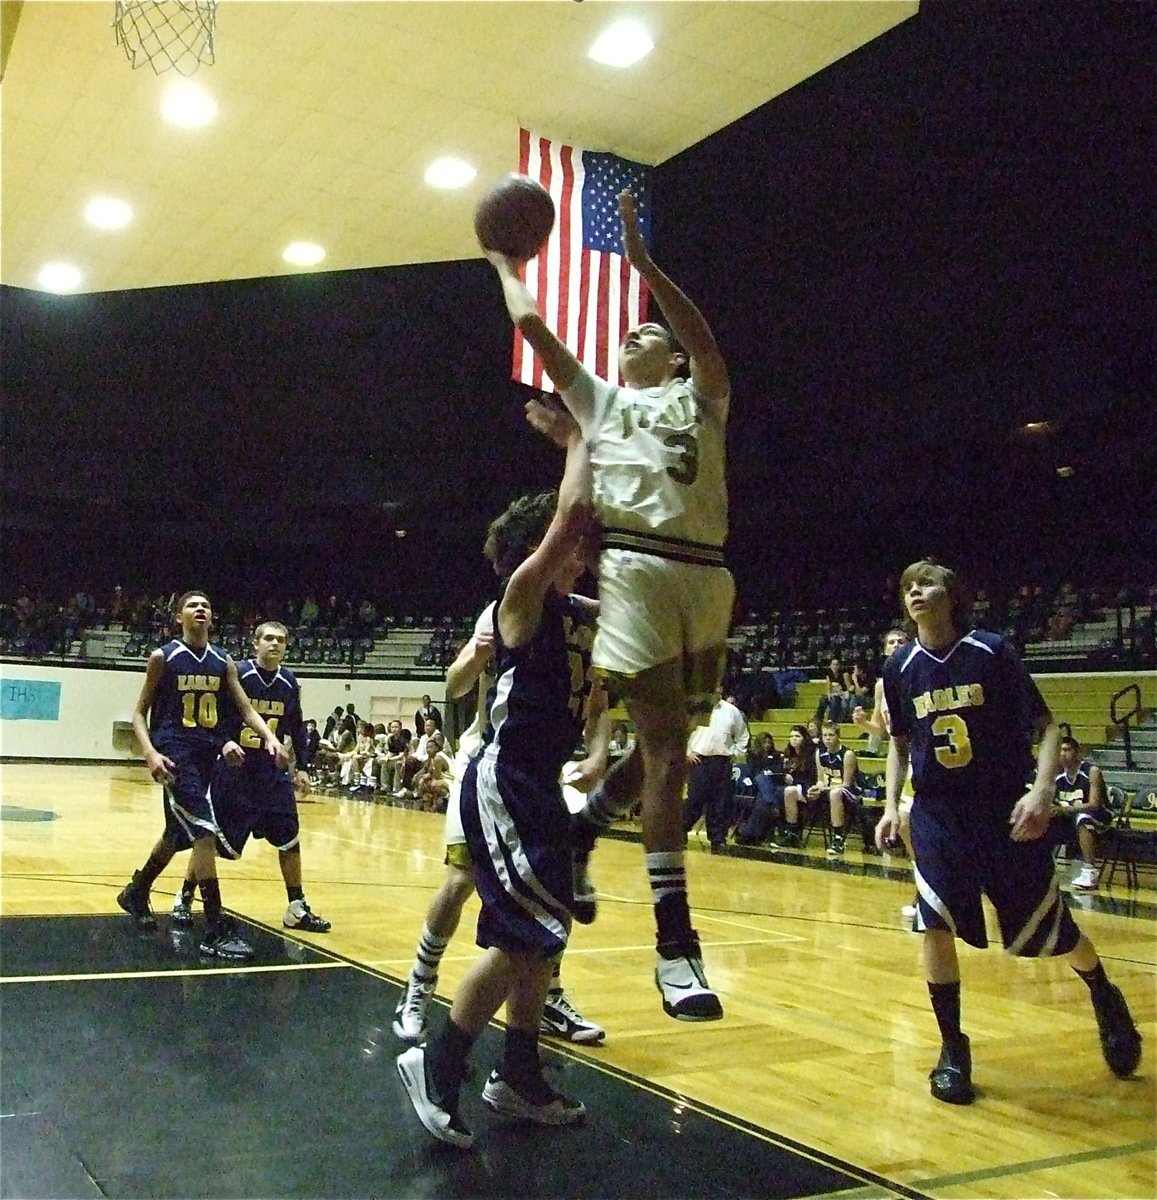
[[1039, 1164], [185, 972], [568, 1050]]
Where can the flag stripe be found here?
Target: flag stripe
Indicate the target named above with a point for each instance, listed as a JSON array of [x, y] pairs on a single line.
[[590, 298]]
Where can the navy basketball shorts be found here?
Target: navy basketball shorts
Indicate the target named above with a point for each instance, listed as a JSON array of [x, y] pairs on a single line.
[[961, 857], [255, 800], [188, 801], [518, 834]]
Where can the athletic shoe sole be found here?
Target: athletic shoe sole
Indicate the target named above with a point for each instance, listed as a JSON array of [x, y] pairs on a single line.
[[435, 1120], [504, 1100]]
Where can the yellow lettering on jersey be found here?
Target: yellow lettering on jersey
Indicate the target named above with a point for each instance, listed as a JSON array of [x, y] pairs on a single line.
[[198, 683], [966, 695], [274, 708]]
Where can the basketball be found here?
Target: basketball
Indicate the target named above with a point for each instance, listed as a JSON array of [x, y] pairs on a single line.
[[515, 217]]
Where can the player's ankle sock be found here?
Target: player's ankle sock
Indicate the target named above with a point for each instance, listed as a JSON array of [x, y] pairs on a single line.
[[211, 899], [520, 1065], [1096, 979], [446, 1056], [154, 865], [555, 977], [188, 890], [294, 893], [603, 807], [431, 947], [946, 1005], [668, 879]]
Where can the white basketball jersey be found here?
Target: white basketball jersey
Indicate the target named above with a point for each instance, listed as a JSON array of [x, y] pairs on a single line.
[[658, 462]]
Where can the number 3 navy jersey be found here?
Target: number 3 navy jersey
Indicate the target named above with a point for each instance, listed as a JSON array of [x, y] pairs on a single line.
[[187, 705], [968, 712], [276, 696]]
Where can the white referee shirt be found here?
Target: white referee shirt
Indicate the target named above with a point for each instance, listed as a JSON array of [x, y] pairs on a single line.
[[725, 735]]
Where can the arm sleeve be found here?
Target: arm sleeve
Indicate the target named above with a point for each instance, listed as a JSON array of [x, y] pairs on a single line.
[[587, 399]]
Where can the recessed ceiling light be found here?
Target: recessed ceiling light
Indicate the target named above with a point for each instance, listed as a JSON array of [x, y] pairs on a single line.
[[106, 213], [449, 172], [1066, 472], [60, 277], [187, 105], [622, 45], [1037, 427], [303, 254]]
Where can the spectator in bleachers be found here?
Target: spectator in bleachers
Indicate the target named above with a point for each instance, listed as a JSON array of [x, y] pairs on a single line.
[[835, 785], [427, 712], [1080, 806], [310, 613], [799, 767], [765, 766], [331, 724], [432, 782], [310, 746], [429, 730], [361, 758], [391, 761], [831, 704]]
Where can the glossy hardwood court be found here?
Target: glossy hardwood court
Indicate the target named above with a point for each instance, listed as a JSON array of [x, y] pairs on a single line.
[[822, 1056]]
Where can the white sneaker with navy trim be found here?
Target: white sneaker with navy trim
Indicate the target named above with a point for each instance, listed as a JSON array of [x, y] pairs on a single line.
[[687, 996]]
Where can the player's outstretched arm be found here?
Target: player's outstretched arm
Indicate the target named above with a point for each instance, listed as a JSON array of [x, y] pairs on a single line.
[[708, 370], [466, 669], [521, 607], [560, 364]]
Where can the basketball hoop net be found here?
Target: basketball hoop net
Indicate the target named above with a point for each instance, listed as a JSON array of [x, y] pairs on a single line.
[[166, 34]]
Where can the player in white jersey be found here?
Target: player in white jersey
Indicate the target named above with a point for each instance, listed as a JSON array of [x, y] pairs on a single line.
[[656, 450]]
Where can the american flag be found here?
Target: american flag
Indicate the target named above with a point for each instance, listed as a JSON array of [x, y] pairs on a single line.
[[587, 291]]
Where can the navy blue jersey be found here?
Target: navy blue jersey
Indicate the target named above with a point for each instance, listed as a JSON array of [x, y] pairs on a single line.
[[968, 712], [831, 766], [276, 696], [538, 702], [1075, 789], [187, 704]]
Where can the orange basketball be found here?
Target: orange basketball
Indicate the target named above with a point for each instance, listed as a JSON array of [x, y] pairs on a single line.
[[515, 217]]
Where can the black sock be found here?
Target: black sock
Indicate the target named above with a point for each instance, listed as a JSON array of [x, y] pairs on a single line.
[[294, 893], [446, 1056], [673, 925], [211, 899], [188, 890], [946, 1006], [154, 865], [521, 1068], [1097, 980]]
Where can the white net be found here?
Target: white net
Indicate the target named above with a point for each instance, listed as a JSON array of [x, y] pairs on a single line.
[[167, 34]]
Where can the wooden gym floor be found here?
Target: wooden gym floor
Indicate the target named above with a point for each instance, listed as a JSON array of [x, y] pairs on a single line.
[[131, 1069]]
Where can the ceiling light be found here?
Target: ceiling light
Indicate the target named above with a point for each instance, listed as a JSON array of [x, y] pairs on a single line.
[[60, 277], [106, 213], [449, 173], [1037, 427], [622, 45], [188, 105], [1066, 472], [303, 254]]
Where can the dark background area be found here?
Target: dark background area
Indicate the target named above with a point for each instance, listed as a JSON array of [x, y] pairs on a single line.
[[905, 258]]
